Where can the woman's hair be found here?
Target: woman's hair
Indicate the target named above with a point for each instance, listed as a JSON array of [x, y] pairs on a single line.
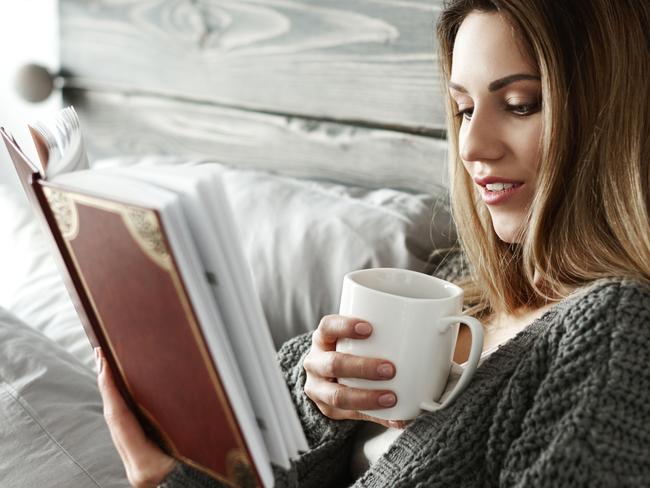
[[589, 218]]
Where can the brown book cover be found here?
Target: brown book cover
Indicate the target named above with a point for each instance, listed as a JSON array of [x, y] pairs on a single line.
[[127, 289]]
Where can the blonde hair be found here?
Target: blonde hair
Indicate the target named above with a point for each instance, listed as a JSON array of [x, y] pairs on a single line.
[[589, 218]]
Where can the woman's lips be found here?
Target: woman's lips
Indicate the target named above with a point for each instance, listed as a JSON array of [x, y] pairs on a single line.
[[499, 197]]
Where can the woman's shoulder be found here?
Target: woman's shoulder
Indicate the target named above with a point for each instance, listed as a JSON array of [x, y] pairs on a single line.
[[607, 296], [586, 383], [610, 313]]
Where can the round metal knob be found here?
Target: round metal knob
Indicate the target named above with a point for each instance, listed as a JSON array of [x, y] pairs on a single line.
[[34, 83]]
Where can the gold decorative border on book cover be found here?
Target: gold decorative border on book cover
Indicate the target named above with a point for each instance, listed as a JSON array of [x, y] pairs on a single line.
[[144, 228], [141, 223], [65, 212]]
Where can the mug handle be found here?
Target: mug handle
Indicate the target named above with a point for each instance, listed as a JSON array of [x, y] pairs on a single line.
[[472, 363]]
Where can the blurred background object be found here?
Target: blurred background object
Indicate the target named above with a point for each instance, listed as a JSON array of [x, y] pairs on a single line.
[[28, 46], [34, 83]]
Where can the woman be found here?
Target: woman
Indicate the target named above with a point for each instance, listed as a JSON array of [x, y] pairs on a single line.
[[548, 105]]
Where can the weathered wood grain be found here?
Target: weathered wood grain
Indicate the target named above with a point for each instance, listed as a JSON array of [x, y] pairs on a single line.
[[371, 61], [116, 124]]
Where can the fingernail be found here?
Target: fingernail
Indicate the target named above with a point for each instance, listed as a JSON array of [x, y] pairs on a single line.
[[387, 400], [385, 370], [363, 328], [98, 360]]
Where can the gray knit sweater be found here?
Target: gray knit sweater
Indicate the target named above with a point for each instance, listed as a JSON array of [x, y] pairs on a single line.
[[564, 403]]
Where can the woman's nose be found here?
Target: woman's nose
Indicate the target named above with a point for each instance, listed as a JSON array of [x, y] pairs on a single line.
[[480, 139]]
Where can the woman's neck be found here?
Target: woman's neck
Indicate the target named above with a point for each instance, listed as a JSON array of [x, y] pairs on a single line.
[[499, 328]]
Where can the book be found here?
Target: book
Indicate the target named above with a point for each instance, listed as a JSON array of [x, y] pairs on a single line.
[[151, 258]]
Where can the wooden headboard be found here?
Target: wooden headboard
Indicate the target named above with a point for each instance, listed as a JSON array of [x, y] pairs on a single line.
[[345, 90]]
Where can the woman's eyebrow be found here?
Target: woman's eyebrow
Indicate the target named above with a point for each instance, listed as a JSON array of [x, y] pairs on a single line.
[[498, 84], [506, 80]]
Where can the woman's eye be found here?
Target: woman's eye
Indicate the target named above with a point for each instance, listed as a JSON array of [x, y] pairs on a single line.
[[524, 108], [465, 113]]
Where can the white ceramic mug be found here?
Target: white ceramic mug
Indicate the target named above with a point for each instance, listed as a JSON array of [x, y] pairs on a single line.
[[415, 319]]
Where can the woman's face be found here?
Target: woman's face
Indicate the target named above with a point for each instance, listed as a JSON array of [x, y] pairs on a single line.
[[498, 96]]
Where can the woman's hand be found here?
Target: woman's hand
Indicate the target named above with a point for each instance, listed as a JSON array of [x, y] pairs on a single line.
[[146, 464], [324, 365]]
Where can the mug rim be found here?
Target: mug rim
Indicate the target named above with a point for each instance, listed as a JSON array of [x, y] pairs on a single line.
[[458, 291]]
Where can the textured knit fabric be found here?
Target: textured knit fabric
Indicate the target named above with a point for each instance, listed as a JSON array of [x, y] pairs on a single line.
[[372, 440], [566, 402], [184, 476]]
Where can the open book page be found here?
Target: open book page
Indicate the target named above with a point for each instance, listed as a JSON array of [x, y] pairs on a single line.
[[179, 235], [208, 231], [59, 143]]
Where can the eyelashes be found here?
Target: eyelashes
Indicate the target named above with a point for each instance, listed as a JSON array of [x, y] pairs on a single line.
[[518, 109], [524, 109], [465, 113]]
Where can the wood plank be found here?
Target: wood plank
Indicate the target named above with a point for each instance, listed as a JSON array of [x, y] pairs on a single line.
[[117, 124], [346, 60]]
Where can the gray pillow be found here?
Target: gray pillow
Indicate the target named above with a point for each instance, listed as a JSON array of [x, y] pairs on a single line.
[[52, 427]]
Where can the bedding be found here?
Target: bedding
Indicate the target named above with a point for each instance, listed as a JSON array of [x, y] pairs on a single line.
[[30, 285], [51, 422], [302, 236]]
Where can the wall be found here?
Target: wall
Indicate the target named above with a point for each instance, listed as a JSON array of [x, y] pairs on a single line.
[[28, 33], [343, 90]]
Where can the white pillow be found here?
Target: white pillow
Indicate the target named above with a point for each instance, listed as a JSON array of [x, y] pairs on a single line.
[[51, 423], [300, 238], [31, 286]]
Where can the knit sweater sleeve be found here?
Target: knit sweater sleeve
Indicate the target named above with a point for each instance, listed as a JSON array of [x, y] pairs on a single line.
[[330, 441], [591, 422]]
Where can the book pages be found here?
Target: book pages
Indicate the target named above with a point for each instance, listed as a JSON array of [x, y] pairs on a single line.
[[61, 142]]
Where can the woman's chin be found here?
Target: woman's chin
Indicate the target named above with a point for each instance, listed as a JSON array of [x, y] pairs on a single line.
[[507, 231]]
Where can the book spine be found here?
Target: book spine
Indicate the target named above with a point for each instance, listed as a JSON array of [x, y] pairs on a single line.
[[64, 263]]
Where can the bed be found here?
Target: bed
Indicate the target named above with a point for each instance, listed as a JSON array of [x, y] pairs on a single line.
[[328, 117]]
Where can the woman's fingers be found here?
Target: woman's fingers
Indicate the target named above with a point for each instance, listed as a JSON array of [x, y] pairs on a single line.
[[339, 414], [146, 464], [125, 429], [345, 398], [334, 327], [332, 364], [324, 365]]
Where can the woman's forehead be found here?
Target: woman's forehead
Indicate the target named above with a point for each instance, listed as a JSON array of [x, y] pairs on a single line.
[[487, 48]]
